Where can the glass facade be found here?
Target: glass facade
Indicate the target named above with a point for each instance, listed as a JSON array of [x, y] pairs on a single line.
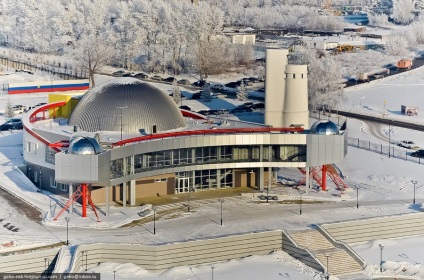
[[205, 155]]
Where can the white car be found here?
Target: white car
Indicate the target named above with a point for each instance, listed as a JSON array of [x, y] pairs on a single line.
[[218, 87], [407, 144]]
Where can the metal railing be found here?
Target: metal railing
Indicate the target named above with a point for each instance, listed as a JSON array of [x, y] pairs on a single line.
[[391, 150]]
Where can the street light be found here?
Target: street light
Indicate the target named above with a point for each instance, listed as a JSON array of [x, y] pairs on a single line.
[[154, 219], [300, 204], [212, 271], [40, 180], [121, 115], [86, 259], [188, 204], [357, 197], [327, 276], [267, 191], [381, 257], [46, 263], [389, 136], [221, 200], [114, 273], [414, 182], [67, 235]]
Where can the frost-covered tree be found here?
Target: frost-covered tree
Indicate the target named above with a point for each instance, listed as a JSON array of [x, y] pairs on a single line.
[[325, 83], [8, 110], [176, 93], [242, 92], [206, 96], [93, 53], [403, 11], [396, 44]]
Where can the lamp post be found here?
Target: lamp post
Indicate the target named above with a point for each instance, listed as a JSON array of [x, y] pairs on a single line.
[[300, 204], [389, 136], [188, 204], [212, 271], [86, 259], [154, 219], [121, 115], [114, 273], [46, 263], [40, 180], [67, 232], [381, 257], [267, 192], [221, 200], [414, 182], [327, 274], [357, 197]]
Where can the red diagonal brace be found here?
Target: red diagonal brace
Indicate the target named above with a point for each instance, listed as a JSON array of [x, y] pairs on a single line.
[[81, 191]]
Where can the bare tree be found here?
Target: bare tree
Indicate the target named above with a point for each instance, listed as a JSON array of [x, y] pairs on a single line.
[[92, 53]]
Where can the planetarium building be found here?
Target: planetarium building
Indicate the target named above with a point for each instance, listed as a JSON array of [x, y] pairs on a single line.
[[126, 139]]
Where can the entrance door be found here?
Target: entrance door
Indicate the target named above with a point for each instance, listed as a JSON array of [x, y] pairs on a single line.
[[183, 184]]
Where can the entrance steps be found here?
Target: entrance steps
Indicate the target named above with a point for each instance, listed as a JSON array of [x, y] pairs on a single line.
[[339, 261]]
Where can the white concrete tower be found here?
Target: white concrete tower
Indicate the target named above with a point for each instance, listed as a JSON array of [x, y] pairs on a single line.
[[295, 111], [276, 61]]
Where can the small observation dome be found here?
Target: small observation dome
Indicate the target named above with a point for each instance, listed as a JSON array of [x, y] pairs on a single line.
[[84, 146], [325, 128]]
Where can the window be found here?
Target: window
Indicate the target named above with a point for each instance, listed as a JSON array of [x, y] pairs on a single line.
[[31, 147], [161, 180], [63, 187], [53, 183]]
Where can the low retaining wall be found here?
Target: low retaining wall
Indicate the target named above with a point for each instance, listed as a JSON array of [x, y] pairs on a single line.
[[160, 258], [378, 228]]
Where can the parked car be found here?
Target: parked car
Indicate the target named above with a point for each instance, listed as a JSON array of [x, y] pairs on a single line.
[[253, 79], [184, 107], [127, 75], [407, 144], [19, 109], [233, 84], [200, 83], [183, 82], [196, 95], [246, 82], [241, 110], [12, 124], [218, 87], [419, 154], [169, 80], [156, 78], [118, 73], [140, 76]]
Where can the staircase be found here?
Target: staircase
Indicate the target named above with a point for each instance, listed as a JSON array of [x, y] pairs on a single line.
[[339, 261], [64, 260]]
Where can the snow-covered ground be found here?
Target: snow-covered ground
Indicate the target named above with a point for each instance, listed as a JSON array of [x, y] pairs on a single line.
[[382, 180]]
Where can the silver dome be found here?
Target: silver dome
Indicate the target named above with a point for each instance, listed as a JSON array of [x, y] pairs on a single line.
[[140, 104], [325, 128], [84, 146]]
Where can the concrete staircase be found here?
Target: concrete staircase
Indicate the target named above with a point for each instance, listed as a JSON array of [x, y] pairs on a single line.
[[339, 261]]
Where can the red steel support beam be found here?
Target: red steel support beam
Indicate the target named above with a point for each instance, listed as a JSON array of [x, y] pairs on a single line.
[[324, 178]]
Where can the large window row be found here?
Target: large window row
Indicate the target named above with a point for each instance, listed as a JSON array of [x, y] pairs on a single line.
[[206, 155]]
